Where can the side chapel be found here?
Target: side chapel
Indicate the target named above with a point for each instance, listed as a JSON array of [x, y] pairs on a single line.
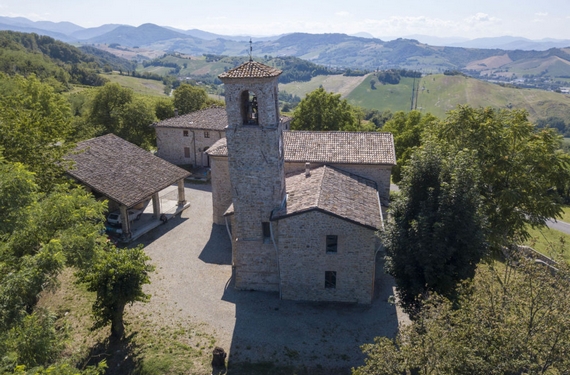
[[302, 208]]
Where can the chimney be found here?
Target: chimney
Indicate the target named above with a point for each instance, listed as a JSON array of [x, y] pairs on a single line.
[[175, 112], [307, 169]]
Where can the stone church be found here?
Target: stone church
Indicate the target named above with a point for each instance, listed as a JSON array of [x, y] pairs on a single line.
[[302, 208]]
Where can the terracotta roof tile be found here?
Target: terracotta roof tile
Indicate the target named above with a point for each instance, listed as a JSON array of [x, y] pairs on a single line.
[[333, 191], [251, 69], [121, 170], [213, 118], [339, 147], [220, 148], [331, 147]]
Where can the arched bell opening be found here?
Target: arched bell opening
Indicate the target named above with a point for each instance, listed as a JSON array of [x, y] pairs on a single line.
[[249, 108]]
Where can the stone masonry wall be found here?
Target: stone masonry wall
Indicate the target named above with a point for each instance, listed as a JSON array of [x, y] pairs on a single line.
[[171, 142], [377, 173], [256, 171], [221, 188], [303, 259]]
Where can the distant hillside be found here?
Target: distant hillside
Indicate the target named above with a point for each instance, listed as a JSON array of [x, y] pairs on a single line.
[[59, 28], [208, 67], [26, 29], [136, 36], [547, 69], [47, 58], [440, 93], [94, 31]]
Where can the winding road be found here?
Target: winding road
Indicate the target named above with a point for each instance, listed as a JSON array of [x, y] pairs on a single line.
[[559, 225]]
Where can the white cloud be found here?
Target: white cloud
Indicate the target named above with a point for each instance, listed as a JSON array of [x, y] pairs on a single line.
[[541, 14], [343, 13], [481, 18], [400, 26]]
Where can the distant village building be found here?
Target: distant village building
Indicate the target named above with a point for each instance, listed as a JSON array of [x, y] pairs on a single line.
[[302, 208], [184, 140]]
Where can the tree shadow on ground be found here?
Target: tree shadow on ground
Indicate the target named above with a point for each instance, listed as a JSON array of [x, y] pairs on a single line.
[[122, 355]]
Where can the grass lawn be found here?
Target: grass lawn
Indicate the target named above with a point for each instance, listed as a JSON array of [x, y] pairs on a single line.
[[550, 242], [336, 83], [138, 85], [383, 97], [566, 214], [152, 345]]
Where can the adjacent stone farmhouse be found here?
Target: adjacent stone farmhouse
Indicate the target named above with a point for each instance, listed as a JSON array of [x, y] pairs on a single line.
[[184, 140], [124, 173], [302, 208]]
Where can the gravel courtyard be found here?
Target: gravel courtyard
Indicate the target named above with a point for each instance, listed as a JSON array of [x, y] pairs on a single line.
[[193, 281]]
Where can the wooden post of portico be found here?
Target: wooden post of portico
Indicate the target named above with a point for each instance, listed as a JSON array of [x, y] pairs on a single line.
[[181, 194], [125, 223], [156, 205]]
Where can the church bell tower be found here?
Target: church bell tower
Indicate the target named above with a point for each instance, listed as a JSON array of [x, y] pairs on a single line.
[[256, 168]]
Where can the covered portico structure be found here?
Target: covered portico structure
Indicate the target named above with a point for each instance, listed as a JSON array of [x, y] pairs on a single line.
[[125, 173]]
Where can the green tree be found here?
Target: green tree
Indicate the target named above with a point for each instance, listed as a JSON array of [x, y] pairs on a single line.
[[188, 98], [323, 111], [107, 106], [136, 119], [117, 110], [407, 129], [35, 341], [35, 127], [512, 320], [40, 234], [164, 108], [117, 276], [435, 237], [521, 167]]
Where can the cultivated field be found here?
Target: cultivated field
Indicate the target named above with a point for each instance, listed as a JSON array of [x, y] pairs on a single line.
[[337, 83], [383, 97], [138, 85], [439, 94]]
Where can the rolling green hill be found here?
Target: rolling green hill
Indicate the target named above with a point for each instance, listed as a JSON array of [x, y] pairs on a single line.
[[440, 93], [138, 85], [383, 97], [53, 60]]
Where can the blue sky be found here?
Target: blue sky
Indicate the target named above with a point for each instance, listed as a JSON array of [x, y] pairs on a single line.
[[459, 18]]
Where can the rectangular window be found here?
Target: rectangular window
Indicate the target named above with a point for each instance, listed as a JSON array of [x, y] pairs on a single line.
[[332, 243], [206, 135], [186, 152], [266, 231], [185, 133], [330, 279]]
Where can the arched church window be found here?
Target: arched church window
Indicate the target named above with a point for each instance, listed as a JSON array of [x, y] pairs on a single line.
[[249, 108]]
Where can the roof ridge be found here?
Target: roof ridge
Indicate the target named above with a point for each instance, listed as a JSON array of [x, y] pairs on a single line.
[[320, 190], [251, 69]]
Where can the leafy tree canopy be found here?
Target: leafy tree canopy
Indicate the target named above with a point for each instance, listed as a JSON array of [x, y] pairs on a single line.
[[435, 237], [521, 167], [407, 130], [188, 98], [117, 276], [35, 127], [323, 111], [115, 109], [512, 320]]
